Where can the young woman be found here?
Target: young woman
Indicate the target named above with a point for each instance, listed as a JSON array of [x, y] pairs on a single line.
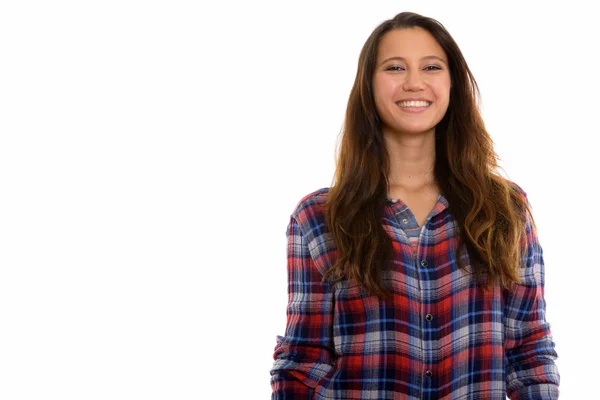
[[419, 274]]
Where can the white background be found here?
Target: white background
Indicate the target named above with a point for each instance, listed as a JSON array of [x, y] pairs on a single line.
[[152, 152]]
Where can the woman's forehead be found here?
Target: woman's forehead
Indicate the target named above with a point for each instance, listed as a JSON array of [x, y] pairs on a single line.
[[409, 44]]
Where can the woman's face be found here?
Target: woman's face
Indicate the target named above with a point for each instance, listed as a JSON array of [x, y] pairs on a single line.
[[411, 83]]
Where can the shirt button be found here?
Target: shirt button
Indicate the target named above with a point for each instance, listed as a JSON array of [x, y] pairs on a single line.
[[429, 317], [428, 374], [405, 221], [424, 263]]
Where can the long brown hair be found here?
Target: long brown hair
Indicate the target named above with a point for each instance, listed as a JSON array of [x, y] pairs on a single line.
[[489, 210]]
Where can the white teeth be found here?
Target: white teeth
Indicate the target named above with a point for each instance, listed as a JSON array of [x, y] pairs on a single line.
[[413, 103]]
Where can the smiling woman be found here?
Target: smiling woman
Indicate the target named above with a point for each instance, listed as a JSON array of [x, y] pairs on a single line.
[[418, 274], [416, 83]]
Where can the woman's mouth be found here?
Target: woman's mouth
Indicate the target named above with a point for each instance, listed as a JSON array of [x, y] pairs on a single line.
[[413, 105]]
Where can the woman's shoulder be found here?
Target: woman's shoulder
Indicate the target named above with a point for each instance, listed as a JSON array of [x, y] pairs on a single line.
[[311, 204], [517, 188], [514, 185], [309, 215]]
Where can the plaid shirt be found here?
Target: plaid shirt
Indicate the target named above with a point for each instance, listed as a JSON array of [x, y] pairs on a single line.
[[439, 336]]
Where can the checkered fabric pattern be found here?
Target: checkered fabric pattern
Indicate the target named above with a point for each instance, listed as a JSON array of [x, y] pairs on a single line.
[[440, 336]]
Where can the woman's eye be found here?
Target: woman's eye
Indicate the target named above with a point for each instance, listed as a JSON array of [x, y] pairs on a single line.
[[428, 68]]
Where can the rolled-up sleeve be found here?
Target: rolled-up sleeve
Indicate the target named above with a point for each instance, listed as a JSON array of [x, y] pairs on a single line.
[[530, 369], [304, 356]]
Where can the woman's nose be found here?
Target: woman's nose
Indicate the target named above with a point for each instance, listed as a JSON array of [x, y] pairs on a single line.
[[414, 81]]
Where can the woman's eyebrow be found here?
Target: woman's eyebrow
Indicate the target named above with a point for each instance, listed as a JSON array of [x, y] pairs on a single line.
[[422, 58]]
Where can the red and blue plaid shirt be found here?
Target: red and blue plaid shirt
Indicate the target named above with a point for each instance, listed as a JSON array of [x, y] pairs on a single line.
[[440, 336]]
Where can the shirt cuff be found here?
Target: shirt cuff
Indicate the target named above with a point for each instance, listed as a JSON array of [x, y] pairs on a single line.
[[543, 391]]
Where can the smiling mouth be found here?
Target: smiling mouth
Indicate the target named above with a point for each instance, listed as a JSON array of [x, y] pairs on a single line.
[[414, 103]]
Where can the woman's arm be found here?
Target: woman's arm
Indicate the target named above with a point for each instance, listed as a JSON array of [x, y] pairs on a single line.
[[530, 370], [304, 355]]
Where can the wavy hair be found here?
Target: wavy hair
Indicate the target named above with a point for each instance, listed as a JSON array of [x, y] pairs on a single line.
[[490, 210]]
